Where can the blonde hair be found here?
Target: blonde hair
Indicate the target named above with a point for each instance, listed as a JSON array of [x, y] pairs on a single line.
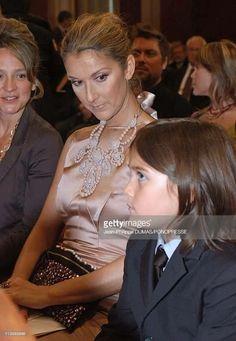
[[105, 33], [219, 58], [16, 37]]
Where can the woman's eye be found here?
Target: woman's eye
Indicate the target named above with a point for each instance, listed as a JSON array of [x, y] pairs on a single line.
[[21, 76], [75, 83], [102, 78]]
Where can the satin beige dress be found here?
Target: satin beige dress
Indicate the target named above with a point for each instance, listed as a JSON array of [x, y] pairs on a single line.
[[83, 219]]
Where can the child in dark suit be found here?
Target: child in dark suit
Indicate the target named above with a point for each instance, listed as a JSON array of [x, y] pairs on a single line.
[[185, 170]]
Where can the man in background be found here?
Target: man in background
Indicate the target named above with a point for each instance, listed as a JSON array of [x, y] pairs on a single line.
[[64, 20], [151, 52]]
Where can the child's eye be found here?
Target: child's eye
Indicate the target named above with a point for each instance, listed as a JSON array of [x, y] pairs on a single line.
[[102, 77], [140, 176]]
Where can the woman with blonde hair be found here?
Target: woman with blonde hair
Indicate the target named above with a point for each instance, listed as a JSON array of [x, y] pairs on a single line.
[[215, 76], [87, 189]]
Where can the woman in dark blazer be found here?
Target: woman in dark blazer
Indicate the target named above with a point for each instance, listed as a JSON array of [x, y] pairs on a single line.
[[192, 296], [29, 146]]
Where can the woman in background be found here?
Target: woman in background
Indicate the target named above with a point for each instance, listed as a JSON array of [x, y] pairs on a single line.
[[215, 76], [29, 146]]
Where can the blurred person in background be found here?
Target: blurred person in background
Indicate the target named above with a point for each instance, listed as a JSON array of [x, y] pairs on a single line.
[[64, 19], [215, 76], [178, 57], [183, 76], [151, 52]]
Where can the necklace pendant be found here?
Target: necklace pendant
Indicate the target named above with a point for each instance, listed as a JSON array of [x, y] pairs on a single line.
[[81, 154], [92, 178], [117, 156]]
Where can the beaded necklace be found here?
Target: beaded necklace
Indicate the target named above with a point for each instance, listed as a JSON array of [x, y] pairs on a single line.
[[97, 162], [215, 113], [6, 147]]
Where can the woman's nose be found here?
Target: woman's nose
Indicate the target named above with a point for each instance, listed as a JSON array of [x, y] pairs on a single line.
[[90, 93], [9, 84]]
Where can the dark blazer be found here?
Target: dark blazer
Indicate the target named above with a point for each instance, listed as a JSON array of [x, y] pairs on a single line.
[[26, 173], [195, 298], [169, 104]]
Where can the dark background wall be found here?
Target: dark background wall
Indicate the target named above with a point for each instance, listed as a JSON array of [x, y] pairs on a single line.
[[39, 8], [130, 11], [213, 19], [179, 19]]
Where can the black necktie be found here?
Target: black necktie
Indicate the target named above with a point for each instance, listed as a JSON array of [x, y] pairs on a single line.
[[160, 260]]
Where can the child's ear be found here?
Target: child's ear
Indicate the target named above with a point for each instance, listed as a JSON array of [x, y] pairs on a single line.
[[130, 67]]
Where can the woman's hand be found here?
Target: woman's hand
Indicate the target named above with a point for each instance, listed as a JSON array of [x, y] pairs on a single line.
[[11, 321], [27, 294]]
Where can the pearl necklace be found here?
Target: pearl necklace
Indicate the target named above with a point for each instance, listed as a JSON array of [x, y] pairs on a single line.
[[6, 147], [96, 162]]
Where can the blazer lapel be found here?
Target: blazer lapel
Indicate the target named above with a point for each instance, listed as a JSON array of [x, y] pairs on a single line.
[[7, 163], [177, 267], [16, 146]]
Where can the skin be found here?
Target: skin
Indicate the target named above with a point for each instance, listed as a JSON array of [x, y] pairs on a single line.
[[178, 54], [148, 60], [201, 81], [96, 80], [15, 88], [150, 192], [12, 321], [15, 91], [95, 91], [193, 47]]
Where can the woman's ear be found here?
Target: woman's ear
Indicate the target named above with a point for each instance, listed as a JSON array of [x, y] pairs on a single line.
[[33, 87], [130, 67]]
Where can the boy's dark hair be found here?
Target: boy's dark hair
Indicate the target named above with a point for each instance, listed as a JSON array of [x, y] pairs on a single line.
[[200, 158]]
